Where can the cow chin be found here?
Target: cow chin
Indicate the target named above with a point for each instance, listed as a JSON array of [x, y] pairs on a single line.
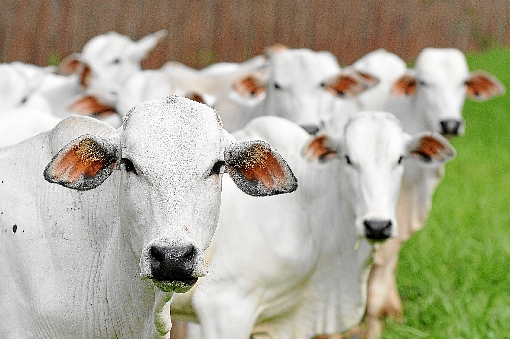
[[175, 286]]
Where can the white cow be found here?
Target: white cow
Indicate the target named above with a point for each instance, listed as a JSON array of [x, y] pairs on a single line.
[[297, 85], [209, 85], [90, 80], [100, 254], [289, 266], [23, 111], [430, 97]]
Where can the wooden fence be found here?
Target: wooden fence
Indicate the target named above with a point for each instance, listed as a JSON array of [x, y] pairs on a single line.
[[203, 32]]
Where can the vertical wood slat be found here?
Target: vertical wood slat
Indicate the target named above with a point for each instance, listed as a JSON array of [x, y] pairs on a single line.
[[201, 32]]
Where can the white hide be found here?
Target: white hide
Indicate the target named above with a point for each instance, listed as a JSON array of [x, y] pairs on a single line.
[[23, 111], [436, 89], [432, 92], [297, 84], [289, 266], [74, 262]]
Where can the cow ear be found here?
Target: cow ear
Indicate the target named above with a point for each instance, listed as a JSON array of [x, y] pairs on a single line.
[[322, 148], [259, 170], [430, 148], [90, 105], [83, 164], [251, 85], [482, 86], [71, 64], [349, 84], [404, 86], [148, 43]]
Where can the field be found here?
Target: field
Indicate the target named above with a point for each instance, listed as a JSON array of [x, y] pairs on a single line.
[[454, 275]]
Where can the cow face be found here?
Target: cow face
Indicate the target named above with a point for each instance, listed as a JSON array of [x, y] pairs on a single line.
[[107, 60], [372, 150], [171, 154], [440, 83], [295, 85], [18, 83]]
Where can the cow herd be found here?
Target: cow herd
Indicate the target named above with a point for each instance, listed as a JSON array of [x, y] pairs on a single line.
[[116, 220]]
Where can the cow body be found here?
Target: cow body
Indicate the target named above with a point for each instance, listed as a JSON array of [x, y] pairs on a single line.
[[430, 97], [100, 254], [302, 273]]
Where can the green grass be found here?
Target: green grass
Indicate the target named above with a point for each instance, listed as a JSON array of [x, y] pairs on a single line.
[[454, 275]]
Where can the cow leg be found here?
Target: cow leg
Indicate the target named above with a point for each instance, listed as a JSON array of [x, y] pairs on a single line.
[[383, 298], [179, 329], [218, 321]]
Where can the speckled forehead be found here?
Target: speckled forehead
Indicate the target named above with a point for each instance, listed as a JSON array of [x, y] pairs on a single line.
[[172, 129]]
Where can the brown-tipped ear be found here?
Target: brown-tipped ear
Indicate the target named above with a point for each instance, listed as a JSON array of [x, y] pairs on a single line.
[[431, 148], [195, 97], [349, 85], [321, 148], [404, 86], [83, 164], [259, 170], [91, 106], [250, 85], [482, 86], [70, 64]]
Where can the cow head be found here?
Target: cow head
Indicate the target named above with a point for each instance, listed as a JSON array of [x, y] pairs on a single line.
[[372, 150], [18, 84], [439, 83], [300, 83], [170, 155], [107, 60]]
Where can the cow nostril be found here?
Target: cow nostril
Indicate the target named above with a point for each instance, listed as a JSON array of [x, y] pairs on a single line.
[[157, 253], [172, 263], [450, 126], [377, 229], [311, 129]]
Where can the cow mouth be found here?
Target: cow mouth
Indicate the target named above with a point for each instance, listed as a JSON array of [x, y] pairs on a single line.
[[181, 286]]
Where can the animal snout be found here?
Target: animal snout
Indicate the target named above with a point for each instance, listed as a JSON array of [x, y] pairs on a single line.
[[170, 263], [311, 129], [451, 127], [377, 229]]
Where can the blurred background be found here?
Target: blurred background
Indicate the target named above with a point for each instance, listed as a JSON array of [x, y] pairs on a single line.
[[204, 32]]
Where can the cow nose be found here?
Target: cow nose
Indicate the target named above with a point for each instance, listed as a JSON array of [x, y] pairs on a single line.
[[377, 229], [173, 263], [450, 126], [311, 129]]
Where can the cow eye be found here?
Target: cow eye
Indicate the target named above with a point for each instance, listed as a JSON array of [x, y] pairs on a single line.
[[24, 100], [277, 86], [128, 165], [422, 83], [348, 160], [218, 168], [400, 160], [116, 61]]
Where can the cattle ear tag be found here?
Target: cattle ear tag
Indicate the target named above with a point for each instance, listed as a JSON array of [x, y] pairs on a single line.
[[431, 148], [83, 164], [320, 148], [259, 170]]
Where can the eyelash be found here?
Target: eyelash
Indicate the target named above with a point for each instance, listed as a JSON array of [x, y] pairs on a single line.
[[128, 165], [218, 168]]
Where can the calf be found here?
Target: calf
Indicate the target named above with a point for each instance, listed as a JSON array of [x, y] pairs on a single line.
[[296, 265], [100, 226]]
